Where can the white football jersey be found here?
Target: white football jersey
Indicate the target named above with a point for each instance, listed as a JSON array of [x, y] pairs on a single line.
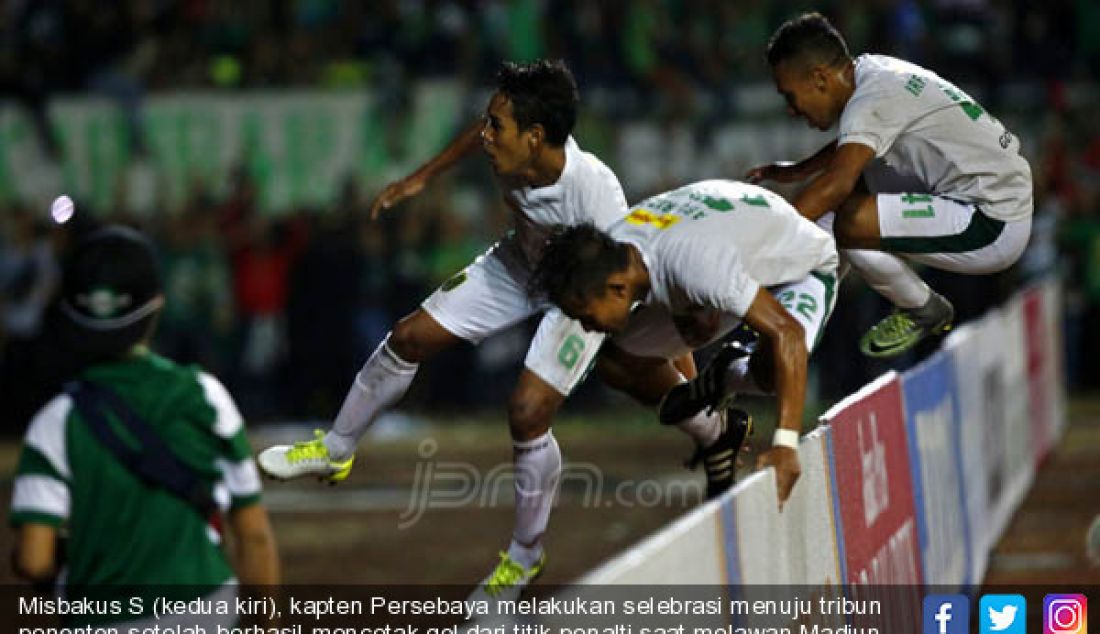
[[586, 192], [713, 244], [924, 126]]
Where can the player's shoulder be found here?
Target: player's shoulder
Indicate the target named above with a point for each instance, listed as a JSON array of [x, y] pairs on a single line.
[[586, 172], [883, 75]]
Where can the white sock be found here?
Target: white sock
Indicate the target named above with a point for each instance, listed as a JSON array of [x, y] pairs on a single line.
[[739, 379], [523, 555], [384, 379], [538, 470], [703, 428], [890, 277]]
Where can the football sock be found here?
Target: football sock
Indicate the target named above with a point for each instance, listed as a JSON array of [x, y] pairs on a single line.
[[703, 427], [739, 378], [382, 381], [889, 277], [538, 469]]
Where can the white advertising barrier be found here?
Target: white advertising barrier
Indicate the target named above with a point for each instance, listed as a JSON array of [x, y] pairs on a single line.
[[796, 546], [919, 477], [1041, 322], [745, 539], [931, 400], [972, 374], [1056, 377], [1011, 428], [689, 551]]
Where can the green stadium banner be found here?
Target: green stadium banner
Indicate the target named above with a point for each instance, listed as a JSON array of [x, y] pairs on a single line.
[[300, 147]]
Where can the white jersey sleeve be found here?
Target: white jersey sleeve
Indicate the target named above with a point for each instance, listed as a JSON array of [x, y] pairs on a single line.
[[873, 117]]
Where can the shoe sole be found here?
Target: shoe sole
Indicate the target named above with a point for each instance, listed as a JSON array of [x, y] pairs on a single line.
[[331, 480]]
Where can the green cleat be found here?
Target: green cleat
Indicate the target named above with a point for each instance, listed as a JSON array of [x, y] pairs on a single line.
[[902, 329], [507, 580]]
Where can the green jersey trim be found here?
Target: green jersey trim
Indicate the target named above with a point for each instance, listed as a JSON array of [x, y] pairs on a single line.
[[981, 232], [20, 518]]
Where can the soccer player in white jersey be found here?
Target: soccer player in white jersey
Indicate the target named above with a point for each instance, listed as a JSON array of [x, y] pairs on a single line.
[[684, 269], [947, 185], [547, 181]]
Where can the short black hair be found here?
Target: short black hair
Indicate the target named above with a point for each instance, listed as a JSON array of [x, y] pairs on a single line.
[[576, 263], [808, 38], [542, 92]]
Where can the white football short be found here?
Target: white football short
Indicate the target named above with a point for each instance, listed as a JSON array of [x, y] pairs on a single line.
[[491, 295], [949, 234]]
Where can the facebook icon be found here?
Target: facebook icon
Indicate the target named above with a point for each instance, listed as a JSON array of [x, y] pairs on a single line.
[[946, 614]]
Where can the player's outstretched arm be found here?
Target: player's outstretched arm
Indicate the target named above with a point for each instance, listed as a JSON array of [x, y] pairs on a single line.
[[397, 191], [788, 172], [836, 183], [789, 358]]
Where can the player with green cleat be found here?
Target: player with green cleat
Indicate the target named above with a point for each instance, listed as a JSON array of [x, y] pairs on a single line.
[[917, 169]]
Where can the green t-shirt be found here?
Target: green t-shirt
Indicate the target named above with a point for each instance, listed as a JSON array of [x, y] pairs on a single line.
[[120, 530]]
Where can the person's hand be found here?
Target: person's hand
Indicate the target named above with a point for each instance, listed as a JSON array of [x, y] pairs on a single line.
[[780, 172], [787, 469], [395, 192]]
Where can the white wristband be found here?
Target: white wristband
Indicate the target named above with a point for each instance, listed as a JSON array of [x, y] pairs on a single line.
[[785, 438]]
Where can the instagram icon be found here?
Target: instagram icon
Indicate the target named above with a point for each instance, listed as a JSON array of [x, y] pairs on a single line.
[[1065, 614]]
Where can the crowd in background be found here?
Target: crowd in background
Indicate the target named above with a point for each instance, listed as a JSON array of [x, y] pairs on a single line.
[[66, 45], [686, 56], [285, 308]]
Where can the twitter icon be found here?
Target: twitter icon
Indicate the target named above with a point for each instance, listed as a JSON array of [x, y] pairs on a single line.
[[1003, 614]]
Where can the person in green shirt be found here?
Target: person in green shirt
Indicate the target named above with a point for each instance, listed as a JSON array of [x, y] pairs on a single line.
[[121, 528]]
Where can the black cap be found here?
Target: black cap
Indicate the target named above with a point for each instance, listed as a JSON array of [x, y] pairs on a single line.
[[110, 291]]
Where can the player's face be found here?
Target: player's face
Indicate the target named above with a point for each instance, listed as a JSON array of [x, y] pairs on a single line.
[[509, 150], [609, 312], [807, 93]]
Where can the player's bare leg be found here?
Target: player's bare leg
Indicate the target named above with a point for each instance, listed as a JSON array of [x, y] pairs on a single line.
[[537, 462], [382, 381], [919, 311]]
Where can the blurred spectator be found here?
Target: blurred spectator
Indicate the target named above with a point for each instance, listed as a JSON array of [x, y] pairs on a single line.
[[29, 275], [197, 320], [33, 62], [372, 313], [261, 269], [320, 316], [115, 48]]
